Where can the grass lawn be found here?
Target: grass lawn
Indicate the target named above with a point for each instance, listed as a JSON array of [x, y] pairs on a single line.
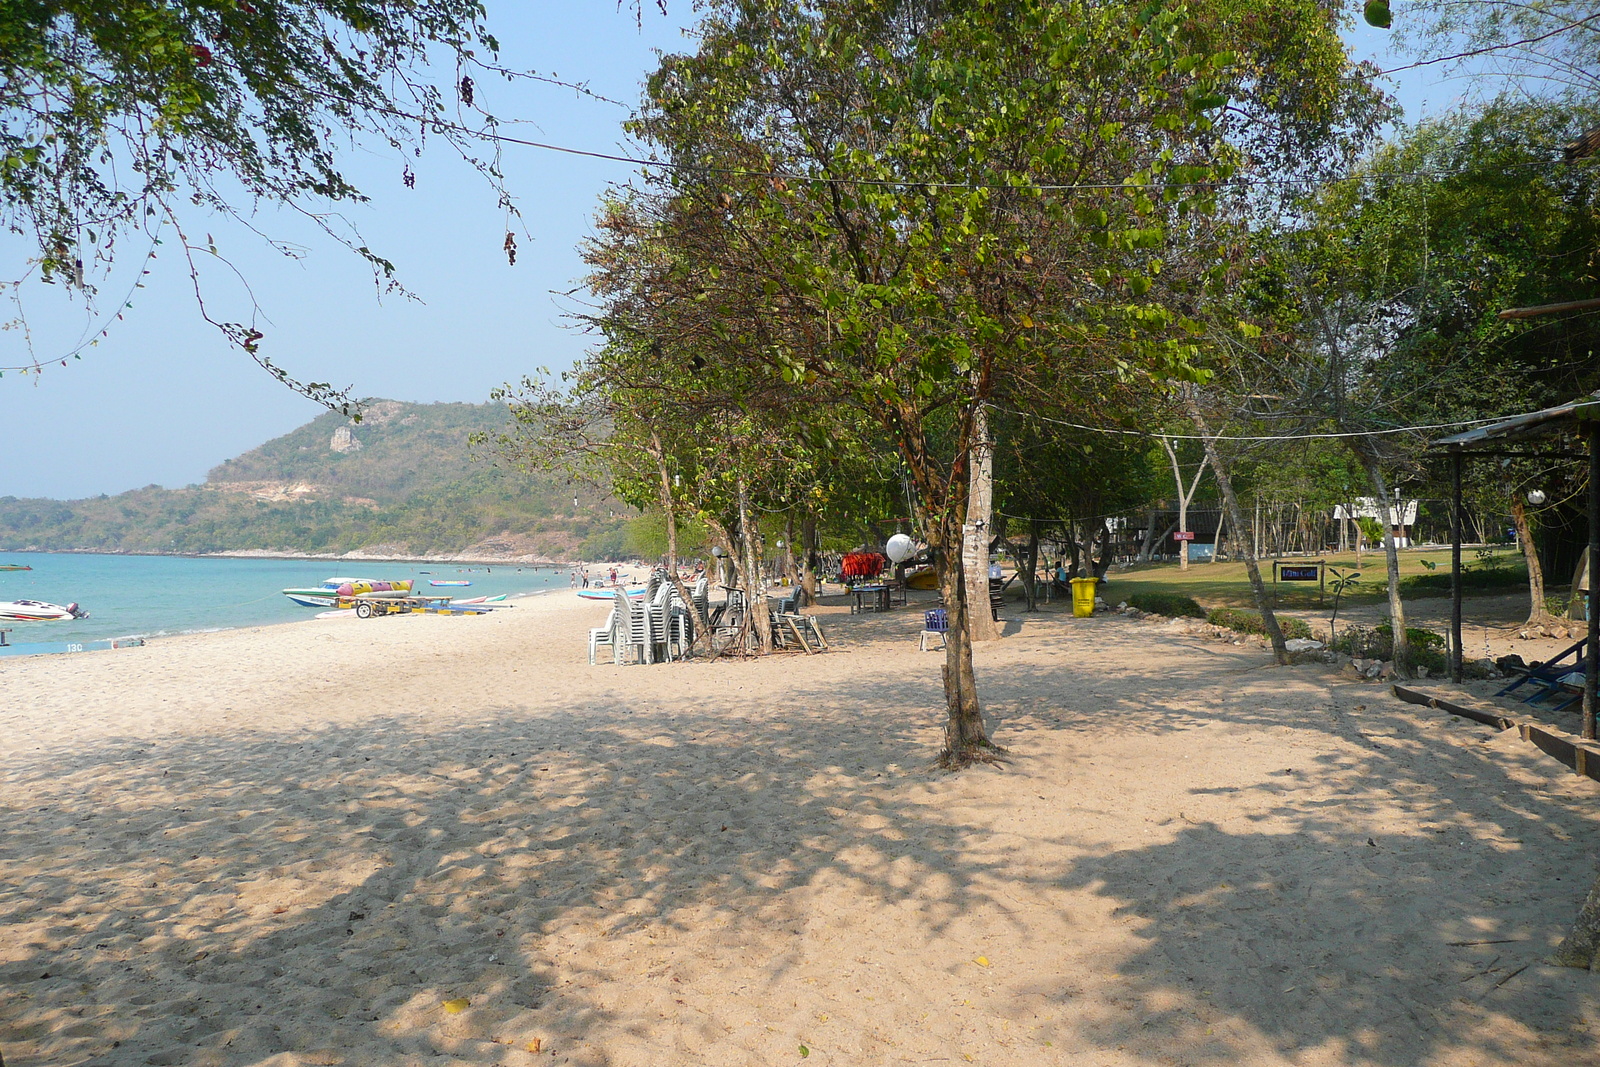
[[1217, 585]]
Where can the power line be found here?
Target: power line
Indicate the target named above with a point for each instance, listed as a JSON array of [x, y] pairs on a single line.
[[1241, 437], [442, 126]]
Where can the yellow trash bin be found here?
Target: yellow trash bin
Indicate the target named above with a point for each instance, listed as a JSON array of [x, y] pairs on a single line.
[[1083, 596]]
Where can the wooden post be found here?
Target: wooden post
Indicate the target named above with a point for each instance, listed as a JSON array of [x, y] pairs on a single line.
[[1591, 662], [1455, 565]]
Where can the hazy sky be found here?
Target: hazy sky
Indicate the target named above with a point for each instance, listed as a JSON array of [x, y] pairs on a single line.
[[165, 398]]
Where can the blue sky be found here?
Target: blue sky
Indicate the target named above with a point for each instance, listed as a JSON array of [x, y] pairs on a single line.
[[164, 398]]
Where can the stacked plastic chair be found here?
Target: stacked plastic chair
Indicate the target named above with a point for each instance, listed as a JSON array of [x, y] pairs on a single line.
[[638, 628]]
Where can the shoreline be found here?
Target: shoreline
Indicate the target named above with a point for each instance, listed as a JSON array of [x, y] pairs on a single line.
[[163, 636], [354, 556]]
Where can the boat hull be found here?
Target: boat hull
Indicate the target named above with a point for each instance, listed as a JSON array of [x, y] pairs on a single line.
[[328, 593], [308, 599], [33, 611], [608, 594]]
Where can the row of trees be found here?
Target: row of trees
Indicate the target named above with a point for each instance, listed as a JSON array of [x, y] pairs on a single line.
[[888, 235], [892, 248]]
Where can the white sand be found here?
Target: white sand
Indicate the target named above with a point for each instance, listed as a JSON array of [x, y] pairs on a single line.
[[293, 845]]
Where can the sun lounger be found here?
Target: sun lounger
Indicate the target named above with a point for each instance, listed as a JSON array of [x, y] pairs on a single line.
[[1553, 677]]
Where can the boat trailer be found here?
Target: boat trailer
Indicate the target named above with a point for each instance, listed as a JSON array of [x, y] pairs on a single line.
[[372, 607]]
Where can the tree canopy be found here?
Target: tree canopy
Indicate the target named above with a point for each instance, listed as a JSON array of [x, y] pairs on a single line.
[[118, 117]]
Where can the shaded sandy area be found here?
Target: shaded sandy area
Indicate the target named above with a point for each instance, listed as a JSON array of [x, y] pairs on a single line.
[[294, 845]]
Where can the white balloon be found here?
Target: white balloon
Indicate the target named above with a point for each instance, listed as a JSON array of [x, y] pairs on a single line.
[[899, 548]]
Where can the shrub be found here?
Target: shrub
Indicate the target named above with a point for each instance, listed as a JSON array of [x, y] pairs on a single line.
[[1377, 642], [1437, 583], [1250, 622], [1170, 604]]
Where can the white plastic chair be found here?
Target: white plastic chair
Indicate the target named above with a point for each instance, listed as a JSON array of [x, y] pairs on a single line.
[[605, 635], [639, 631]]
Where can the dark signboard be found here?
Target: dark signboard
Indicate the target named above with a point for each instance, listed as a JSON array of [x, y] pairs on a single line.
[[1303, 573]]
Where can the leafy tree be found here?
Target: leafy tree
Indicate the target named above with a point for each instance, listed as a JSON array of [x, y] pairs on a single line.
[[910, 211]]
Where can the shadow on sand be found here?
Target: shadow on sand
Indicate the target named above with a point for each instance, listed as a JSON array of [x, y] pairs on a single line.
[[228, 901]]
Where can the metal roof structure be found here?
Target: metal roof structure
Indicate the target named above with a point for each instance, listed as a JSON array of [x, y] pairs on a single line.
[[1498, 439], [1522, 427]]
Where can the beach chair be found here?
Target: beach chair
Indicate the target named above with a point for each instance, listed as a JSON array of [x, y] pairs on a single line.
[[802, 627], [935, 623], [607, 635], [1548, 677], [1569, 686], [637, 627], [660, 612]]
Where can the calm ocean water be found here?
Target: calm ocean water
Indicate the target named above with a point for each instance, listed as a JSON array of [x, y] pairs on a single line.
[[152, 596]]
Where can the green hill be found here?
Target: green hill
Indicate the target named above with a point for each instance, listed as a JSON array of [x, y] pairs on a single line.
[[403, 482]]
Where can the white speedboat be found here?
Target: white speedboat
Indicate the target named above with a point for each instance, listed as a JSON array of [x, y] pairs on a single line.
[[38, 611], [328, 594]]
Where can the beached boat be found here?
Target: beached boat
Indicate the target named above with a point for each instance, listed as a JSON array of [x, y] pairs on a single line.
[[317, 596], [38, 611], [601, 593], [328, 593]]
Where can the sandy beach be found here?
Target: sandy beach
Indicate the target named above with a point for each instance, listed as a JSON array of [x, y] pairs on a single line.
[[422, 841]]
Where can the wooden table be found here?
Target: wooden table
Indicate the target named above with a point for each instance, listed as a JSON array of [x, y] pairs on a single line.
[[878, 593]]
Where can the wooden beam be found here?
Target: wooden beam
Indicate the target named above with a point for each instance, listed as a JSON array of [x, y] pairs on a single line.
[[1549, 309], [1580, 755]]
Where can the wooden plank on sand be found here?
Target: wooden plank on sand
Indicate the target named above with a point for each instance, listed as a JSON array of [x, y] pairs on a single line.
[[1583, 757]]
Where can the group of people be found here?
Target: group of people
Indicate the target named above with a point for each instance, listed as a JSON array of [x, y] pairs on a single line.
[[579, 577]]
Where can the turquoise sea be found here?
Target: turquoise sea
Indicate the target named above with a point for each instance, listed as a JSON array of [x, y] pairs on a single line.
[[154, 596]]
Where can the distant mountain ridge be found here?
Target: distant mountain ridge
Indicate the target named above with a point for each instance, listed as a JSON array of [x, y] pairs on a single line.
[[403, 481]]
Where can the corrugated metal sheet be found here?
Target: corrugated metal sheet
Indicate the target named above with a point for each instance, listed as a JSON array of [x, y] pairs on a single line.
[[1533, 424]]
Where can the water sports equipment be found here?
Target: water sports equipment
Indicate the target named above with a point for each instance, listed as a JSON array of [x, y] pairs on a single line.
[[328, 593], [432, 581]]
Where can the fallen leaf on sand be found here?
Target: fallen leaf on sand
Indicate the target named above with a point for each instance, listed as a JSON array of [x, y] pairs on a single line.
[[535, 1045], [804, 1052], [457, 1006], [982, 961]]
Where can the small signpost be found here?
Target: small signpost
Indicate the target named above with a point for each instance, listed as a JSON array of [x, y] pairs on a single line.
[[1305, 571]]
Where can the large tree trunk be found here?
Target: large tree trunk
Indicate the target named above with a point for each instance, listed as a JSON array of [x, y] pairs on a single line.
[[965, 739], [1184, 497], [1231, 502], [1152, 539], [1538, 614], [1391, 552], [1030, 574], [812, 558], [941, 500], [976, 532], [755, 587]]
